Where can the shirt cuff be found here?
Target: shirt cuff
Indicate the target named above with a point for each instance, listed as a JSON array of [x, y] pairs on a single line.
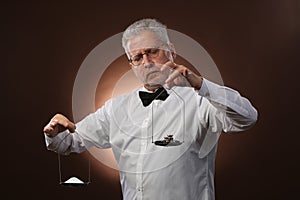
[[56, 139], [204, 89], [48, 140]]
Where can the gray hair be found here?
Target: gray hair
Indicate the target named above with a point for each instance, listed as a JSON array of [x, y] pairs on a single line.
[[145, 25]]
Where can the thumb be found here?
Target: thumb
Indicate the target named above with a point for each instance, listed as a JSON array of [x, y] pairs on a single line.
[[71, 127]]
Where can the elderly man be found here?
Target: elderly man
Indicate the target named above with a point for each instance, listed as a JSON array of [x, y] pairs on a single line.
[[163, 135]]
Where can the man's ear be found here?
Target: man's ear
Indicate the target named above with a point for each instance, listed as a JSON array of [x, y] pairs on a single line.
[[172, 49], [128, 59], [130, 64]]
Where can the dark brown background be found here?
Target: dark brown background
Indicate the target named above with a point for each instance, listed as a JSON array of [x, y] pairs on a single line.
[[255, 45]]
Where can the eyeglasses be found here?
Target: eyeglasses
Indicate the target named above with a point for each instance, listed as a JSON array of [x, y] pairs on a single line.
[[151, 53]]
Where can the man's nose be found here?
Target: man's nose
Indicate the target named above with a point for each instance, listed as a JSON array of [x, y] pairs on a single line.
[[146, 61]]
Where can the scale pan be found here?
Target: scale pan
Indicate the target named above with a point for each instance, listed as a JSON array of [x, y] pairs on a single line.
[[166, 143], [74, 182]]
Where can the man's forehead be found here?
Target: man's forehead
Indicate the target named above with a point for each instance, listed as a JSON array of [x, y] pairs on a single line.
[[144, 40]]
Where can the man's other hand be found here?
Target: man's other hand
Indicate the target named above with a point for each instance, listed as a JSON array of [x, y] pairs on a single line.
[[57, 124]]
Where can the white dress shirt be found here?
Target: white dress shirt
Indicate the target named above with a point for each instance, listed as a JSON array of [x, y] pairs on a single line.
[[148, 171]]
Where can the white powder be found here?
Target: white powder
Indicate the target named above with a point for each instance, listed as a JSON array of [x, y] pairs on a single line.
[[74, 180]]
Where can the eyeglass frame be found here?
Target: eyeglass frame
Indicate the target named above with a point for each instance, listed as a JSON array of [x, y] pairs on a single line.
[[146, 52]]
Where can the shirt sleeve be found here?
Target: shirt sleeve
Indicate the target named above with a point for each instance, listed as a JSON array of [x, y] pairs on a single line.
[[65, 143], [234, 112], [93, 130], [221, 109]]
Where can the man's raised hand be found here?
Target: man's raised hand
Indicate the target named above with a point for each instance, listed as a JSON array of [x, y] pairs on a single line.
[[181, 76]]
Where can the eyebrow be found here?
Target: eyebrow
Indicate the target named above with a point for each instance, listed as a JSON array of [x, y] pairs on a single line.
[[145, 49]]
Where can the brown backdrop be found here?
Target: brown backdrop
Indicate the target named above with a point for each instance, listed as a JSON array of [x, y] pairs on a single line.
[[255, 45]]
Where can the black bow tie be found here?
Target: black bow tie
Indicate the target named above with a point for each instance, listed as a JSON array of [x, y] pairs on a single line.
[[147, 98]]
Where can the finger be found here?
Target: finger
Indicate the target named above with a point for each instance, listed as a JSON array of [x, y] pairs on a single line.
[[53, 123], [50, 126], [169, 85], [60, 120], [64, 122], [48, 129], [71, 127], [185, 72], [181, 81], [177, 81], [173, 76], [168, 65], [181, 70]]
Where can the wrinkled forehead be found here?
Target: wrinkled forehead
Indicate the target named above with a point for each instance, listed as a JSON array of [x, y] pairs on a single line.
[[142, 41]]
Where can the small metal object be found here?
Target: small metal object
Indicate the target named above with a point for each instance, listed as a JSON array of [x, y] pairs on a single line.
[[168, 141]]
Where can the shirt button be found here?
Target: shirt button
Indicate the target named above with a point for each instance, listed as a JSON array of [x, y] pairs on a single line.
[[145, 122]]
